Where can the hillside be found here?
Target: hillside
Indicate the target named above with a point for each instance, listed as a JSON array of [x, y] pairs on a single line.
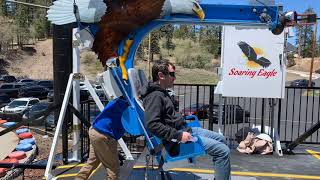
[[303, 64], [36, 62], [33, 62]]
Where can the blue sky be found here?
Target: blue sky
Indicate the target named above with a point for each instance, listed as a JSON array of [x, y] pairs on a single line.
[[297, 5]]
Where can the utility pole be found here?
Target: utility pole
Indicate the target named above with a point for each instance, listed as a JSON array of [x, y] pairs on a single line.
[[149, 58], [314, 42], [299, 41]]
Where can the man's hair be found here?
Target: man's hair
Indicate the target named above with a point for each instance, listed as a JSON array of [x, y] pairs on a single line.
[[160, 66]]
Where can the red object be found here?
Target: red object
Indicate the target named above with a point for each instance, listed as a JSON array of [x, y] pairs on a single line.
[[17, 155], [9, 160], [25, 135], [2, 121], [3, 171]]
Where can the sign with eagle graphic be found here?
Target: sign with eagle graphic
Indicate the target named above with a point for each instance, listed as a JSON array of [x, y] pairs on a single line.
[[253, 63]]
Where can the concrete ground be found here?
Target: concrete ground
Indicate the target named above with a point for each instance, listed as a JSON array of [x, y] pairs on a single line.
[[304, 164]]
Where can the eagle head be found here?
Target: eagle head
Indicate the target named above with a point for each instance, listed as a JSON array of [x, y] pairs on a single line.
[[190, 7]]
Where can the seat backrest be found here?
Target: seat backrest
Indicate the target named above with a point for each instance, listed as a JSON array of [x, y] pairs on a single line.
[[109, 85], [138, 82]]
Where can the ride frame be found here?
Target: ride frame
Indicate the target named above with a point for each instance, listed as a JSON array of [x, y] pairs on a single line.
[[242, 15]]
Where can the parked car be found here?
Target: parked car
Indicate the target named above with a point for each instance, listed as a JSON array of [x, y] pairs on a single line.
[[34, 111], [49, 122], [11, 89], [237, 114], [50, 96], [98, 90], [46, 83], [202, 111], [8, 78], [4, 100], [27, 81], [82, 86], [84, 95], [16, 108], [301, 83], [33, 91]]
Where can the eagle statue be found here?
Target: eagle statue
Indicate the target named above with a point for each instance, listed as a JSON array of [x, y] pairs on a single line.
[[117, 18]]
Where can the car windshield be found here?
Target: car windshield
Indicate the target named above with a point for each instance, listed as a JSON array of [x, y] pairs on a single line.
[[17, 103], [39, 106]]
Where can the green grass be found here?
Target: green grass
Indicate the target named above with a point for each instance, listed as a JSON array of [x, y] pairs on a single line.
[[185, 75]]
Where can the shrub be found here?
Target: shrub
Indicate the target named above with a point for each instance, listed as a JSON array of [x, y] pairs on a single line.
[[291, 61]]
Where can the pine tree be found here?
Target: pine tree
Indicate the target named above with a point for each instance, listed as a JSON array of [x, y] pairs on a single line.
[[168, 35], [22, 23], [181, 32], [39, 21], [3, 9], [318, 50], [305, 33], [140, 52], [155, 43], [211, 40]]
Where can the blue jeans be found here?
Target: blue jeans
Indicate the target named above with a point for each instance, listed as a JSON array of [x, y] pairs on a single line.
[[215, 145]]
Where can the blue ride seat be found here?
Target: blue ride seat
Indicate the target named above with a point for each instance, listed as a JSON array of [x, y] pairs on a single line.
[[138, 83]]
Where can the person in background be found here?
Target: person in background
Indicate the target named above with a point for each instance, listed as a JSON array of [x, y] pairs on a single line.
[[104, 133]]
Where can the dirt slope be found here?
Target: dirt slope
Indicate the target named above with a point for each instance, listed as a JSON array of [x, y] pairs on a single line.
[[303, 64], [36, 62], [33, 62]]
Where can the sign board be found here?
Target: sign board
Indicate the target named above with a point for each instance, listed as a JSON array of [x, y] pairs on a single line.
[[253, 63]]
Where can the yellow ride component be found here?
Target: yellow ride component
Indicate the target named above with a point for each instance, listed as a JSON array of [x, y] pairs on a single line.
[[123, 58]]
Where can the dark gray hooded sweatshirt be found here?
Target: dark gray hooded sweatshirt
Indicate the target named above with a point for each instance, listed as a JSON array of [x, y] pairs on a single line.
[[161, 118]]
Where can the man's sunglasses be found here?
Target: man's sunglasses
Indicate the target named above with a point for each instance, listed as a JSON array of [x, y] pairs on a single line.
[[172, 74]]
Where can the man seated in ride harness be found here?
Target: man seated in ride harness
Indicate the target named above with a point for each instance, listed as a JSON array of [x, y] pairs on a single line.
[[164, 122]]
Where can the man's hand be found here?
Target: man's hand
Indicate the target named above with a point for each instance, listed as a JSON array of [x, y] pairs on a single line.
[[185, 137]]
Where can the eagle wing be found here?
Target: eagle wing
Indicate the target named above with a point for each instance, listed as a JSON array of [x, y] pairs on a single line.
[[122, 18], [248, 51], [264, 62]]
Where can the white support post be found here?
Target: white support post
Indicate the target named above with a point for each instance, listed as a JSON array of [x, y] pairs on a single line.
[[93, 94], [76, 96], [276, 141], [64, 106]]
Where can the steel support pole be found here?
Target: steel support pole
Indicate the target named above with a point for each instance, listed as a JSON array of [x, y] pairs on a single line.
[[76, 96], [62, 67]]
